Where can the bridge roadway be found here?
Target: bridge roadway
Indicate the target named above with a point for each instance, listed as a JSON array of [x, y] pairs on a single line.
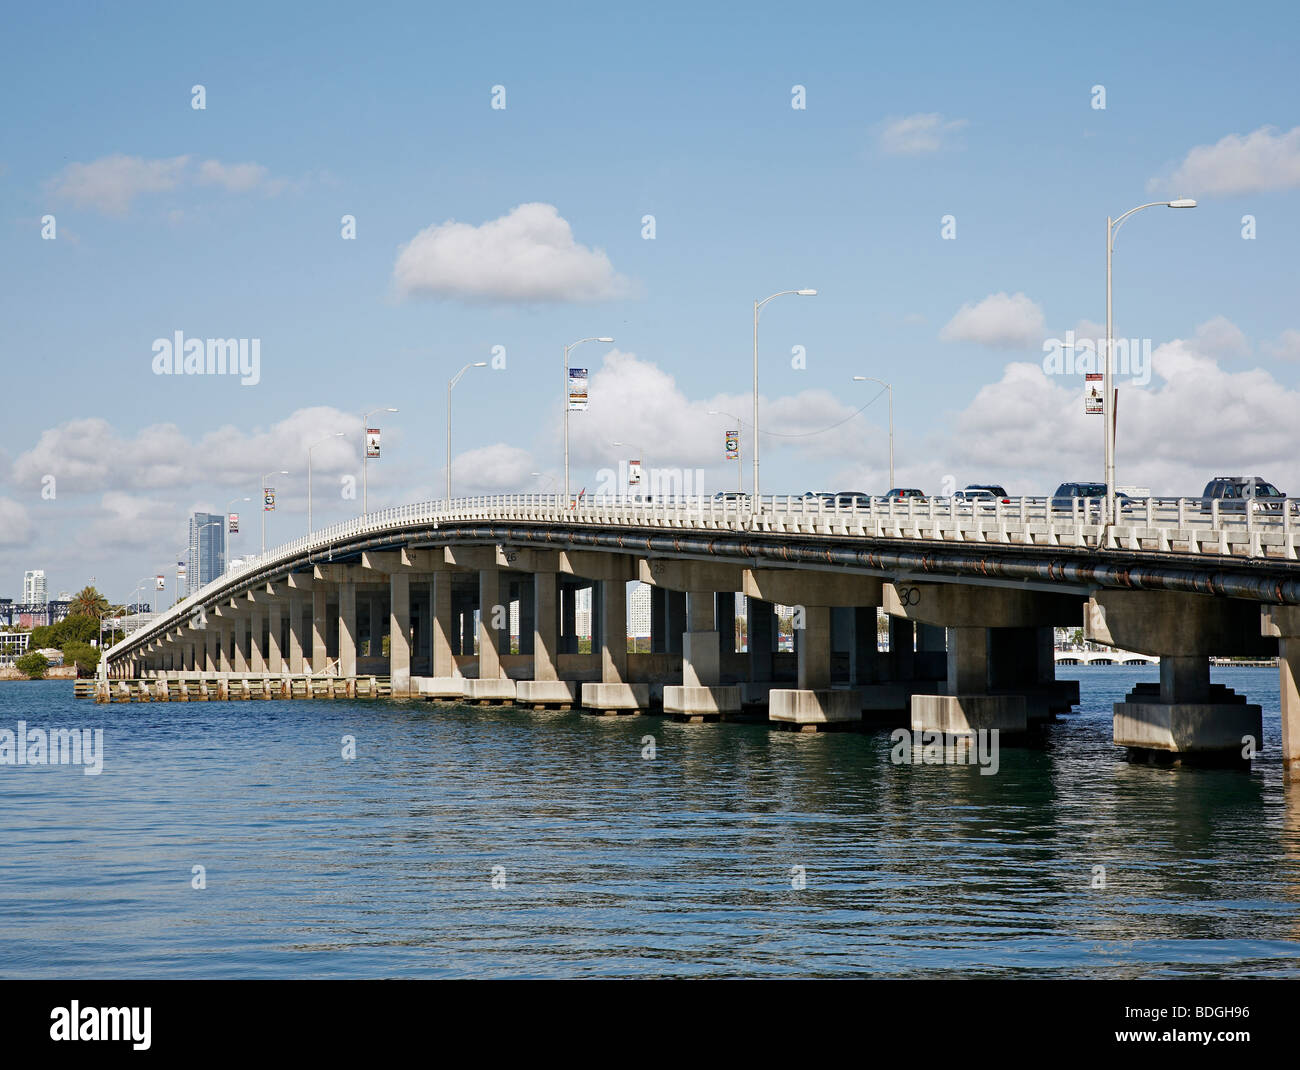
[[972, 592]]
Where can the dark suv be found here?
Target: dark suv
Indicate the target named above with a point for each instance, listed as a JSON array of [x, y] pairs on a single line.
[[904, 492], [1236, 494], [1091, 495]]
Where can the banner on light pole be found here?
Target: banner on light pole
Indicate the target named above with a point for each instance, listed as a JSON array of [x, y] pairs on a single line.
[[633, 473], [733, 445], [372, 442], [268, 499], [577, 389], [161, 582], [1093, 402], [234, 523]]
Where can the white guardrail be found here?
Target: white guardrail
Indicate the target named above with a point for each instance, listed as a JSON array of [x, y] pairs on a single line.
[[1182, 526]]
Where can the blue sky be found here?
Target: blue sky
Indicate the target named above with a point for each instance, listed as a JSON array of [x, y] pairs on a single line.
[[385, 114]]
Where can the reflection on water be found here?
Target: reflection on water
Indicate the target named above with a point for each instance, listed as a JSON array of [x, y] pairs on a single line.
[[618, 865]]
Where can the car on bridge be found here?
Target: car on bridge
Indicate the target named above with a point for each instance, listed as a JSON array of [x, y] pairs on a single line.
[[900, 493], [851, 499], [983, 492], [732, 497], [1089, 495], [1237, 494]]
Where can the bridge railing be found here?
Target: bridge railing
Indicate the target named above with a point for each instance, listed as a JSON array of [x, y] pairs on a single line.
[[1180, 526]]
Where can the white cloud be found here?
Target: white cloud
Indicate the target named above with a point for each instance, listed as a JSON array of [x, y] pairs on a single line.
[[1000, 320], [1029, 430], [111, 183], [1260, 162], [89, 455], [1286, 346], [529, 254], [15, 523], [1221, 338], [912, 135], [496, 469]]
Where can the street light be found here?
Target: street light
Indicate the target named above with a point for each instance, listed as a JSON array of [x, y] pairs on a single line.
[[758, 307], [337, 434], [365, 453], [565, 370], [631, 446], [887, 386], [740, 472], [1108, 401], [450, 385], [265, 477]]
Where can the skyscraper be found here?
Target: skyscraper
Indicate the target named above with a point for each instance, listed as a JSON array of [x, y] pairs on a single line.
[[34, 587], [207, 550]]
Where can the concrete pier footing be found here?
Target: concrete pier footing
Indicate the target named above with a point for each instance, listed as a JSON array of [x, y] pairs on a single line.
[[970, 713], [440, 687], [811, 710], [493, 689], [699, 703], [613, 698], [562, 693]]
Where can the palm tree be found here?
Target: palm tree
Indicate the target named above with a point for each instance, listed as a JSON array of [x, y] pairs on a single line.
[[88, 602]]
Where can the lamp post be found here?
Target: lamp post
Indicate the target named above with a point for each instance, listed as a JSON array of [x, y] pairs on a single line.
[[632, 446], [740, 471], [451, 383], [565, 370], [337, 434], [1108, 400], [889, 387], [365, 453], [265, 477], [758, 307]]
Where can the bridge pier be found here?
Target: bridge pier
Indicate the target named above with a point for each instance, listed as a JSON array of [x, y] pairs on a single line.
[[1283, 623], [614, 693], [546, 688], [701, 693], [492, 684], [998, 678], [1185, 717]]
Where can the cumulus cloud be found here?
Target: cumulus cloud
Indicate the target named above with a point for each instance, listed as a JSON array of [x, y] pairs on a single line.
[[1029, 430], [529, 254], [1286, 346], [111, 183], [1002, 321], [1259, 162], [89, 455], [15, 523], [1221, 338], [914, 135], [496, 469]]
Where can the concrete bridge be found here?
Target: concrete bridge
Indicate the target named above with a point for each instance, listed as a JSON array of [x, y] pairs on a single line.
[[1104, 657], [972, 592]]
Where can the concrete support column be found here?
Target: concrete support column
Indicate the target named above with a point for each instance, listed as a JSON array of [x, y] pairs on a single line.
[[968, 661], [241, 643], [658, 620], [902, 649], [223, 630], [724, 612], [544, 626], [347, 628], [528, 616], [491, 612], [568, 620], [864, 655], [211, 661], [1184, 679], [760, 628], [815, 649], [676, 620], [399, 633], [613, 631], [319, 628], [443, 664], [701, 663], [295, 633], [374, 627], [274, 658], [256, 656], [1288, 664], [467, 630]]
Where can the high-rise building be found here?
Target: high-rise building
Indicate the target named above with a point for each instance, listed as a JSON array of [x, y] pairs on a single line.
[[34, 587], [638, 610], [207, 550]]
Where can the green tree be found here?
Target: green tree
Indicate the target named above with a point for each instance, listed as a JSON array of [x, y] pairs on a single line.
[[88, 602], [83, 655], [33, 664], [76, 628]]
